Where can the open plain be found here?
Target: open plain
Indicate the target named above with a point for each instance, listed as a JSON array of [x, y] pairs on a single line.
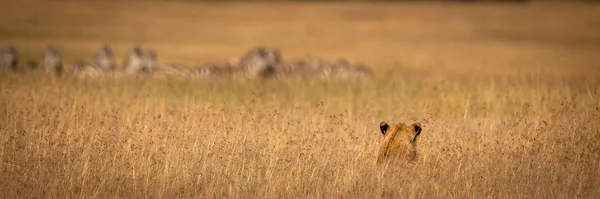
[[508, 96]]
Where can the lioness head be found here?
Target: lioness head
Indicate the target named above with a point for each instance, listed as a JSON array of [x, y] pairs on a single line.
[[400, 141]]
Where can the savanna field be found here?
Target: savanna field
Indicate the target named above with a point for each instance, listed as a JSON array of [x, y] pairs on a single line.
[[508, 96]]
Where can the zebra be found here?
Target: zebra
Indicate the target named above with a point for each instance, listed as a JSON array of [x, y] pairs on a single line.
[[213, 70], [171, 70], [302, 68], [78, 66], [359, 72], [149, 60], [105, 58], [140, 61], [83, 69], [134, 62], [337, 69], [342, 69], [260, 62], [51, 61], [9, 59]]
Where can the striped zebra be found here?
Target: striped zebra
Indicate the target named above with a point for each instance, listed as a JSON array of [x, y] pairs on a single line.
[[344, 70], [9, 59], [171, 70], [303, 68], [51, 61], [83, 69], [260, 62], [149, 60], [201, 72], [105, 58], [134, 61], [212, 71]]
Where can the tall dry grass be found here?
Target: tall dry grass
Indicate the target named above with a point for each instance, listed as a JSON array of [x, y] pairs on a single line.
[[141, 138], [503, 118]]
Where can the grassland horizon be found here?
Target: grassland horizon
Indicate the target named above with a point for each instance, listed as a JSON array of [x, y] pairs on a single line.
[[508, 97]]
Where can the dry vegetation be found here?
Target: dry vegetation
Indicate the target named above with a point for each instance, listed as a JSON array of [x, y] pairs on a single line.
[[509, 96]]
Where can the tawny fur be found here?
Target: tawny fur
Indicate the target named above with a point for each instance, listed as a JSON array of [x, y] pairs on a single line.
[[400, 141]]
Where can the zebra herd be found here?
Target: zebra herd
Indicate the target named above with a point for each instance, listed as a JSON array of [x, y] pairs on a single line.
[[257, 63]]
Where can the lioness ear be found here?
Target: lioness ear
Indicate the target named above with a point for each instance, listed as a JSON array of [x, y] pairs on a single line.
[[384, 127], [417, 127]]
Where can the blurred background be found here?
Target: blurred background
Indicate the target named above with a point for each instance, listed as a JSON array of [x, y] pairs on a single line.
[[451, 37]]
